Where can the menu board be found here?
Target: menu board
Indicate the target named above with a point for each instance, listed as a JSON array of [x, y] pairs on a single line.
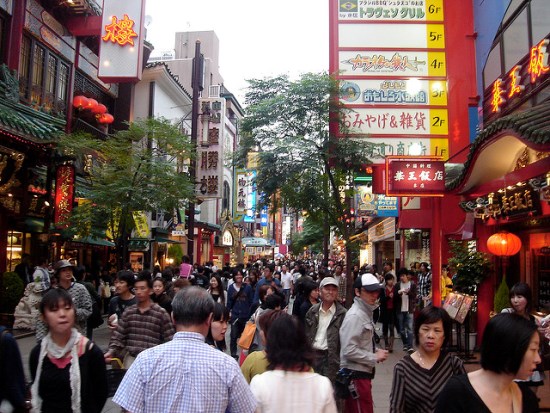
[[457, 306]]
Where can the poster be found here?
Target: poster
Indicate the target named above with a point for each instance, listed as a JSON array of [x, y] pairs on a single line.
[[457, 306]]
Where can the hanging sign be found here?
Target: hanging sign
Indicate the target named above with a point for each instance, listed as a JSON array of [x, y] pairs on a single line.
[[418, 176], [64, 192]]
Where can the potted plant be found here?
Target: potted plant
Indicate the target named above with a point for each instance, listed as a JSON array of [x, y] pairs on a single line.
[[11, 291]]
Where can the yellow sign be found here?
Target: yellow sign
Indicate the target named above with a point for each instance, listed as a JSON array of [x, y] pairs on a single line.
[[435, 36], [439, 122], [438, 92], [434, 10], [440, 147], [437, 64], [142, 228]]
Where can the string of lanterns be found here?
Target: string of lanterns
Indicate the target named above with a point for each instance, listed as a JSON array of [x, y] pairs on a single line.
[[98, 109]]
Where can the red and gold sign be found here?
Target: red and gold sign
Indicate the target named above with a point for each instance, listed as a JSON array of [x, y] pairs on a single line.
[[415, 176], [120, 31], [64, 192]]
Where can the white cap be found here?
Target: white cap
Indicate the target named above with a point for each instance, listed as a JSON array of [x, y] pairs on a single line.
[[370, 283]]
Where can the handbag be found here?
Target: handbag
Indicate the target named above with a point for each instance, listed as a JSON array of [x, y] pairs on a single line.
[[247, 335], [342, 383], [114, 376]]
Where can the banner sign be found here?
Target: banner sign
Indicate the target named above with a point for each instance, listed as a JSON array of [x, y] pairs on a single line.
[[245, 196], [142, 227], [404, 145], [121, 41], [64, 193], [418, 176]]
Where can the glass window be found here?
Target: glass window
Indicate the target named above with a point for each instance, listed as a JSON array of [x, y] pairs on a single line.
[[493, 68], [540, 16], [514, 5], [24, 66], [63, 83], [516, 41], [51, 74]]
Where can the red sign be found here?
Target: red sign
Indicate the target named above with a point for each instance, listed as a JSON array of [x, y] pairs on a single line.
[[415, 177], [64, 191]]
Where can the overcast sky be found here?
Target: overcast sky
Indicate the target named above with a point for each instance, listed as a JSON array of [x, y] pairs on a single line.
[[258, 38]]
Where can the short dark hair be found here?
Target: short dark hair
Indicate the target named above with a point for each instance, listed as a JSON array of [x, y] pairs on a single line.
[[431, 315], [524, 290], [51, 299], [402, 271], [272, 301], [267, 318], [126, 276], [388, 276], [192, 306], [145, 276], [505, 341], [287, 346]]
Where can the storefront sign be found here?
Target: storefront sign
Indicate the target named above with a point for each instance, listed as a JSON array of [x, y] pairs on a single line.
[[396, 63], [121, 45], [64, 192], [409, 36], [209, 172], [245, 196], [370, 11], [397, 121], [227, 238], [415, 176], [520, 81], [394, 92]]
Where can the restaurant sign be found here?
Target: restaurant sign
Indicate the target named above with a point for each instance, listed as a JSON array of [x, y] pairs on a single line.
[[415, 176]]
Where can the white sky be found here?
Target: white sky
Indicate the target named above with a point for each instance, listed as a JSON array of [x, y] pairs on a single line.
[[257, 38]]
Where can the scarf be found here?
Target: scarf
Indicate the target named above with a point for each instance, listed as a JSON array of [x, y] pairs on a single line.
[[52, 350]]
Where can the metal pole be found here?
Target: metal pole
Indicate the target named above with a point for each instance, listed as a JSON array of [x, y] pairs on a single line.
[[197, 87]]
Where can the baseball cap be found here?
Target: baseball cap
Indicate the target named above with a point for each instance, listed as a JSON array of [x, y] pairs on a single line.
[[328, 281], [369, 282], [63, 264]]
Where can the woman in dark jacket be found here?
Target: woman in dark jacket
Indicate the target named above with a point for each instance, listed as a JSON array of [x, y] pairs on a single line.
[[53, 370], [387, 311]]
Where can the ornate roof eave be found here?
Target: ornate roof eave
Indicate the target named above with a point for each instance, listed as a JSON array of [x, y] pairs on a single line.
[[499, 148]]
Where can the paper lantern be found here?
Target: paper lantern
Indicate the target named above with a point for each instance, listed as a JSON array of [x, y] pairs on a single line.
[[106, 118], [504, 244], [80, 102], [99, 109], [92, 103]]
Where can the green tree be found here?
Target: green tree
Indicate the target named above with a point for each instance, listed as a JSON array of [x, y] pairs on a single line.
[[301, 160], [311, 236], [133, 170]]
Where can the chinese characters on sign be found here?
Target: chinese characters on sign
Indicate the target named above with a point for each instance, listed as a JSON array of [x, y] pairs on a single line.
[[208, 171], [421, 177], [64, 191], [120, 31], [245, 196], [376, 10]]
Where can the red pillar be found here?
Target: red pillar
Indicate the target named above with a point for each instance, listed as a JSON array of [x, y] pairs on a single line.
[[436, 251], [17, 24]]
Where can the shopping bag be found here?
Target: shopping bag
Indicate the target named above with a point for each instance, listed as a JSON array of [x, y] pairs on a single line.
[[248, 335], [114, 376]]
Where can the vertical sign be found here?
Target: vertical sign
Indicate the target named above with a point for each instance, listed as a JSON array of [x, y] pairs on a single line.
[[64, 192], [391, 63], [245, 196], [121, 41]]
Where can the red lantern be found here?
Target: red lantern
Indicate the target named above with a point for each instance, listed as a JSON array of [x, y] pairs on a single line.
[[504, 244], [92, 104], [80, 102], [106, 119], [100, 109]]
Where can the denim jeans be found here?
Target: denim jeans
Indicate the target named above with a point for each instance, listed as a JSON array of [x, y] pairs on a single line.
[[405, 320]]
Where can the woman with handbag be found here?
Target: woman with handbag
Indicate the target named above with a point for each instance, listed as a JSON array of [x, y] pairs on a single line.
[[67, 369]]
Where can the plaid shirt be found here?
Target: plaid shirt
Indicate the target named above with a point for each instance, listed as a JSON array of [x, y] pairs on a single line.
[[424, 285], [139, 331], [185, 375]]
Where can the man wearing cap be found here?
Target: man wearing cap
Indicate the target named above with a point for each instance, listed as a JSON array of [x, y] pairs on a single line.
[[323, 321], [358, 352], [80, 295]]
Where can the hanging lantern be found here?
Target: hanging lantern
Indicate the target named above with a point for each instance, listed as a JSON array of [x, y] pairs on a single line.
[[80, 102], [92, 104], [100, 109], [106, 119], [504, 244]]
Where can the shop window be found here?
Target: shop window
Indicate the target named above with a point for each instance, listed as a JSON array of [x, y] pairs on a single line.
[[493, 67], [43, 77], [516, 41], [540, 16]]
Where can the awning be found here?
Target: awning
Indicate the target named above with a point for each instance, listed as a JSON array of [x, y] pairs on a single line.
[[167, 240], [93, 241], [138, 244]]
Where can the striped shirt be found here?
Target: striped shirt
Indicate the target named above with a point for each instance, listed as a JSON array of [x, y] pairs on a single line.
[[138, 331], [415, 389], [185, 375]]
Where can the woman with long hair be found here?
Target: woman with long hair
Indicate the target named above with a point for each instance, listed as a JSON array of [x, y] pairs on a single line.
[[290, 357], [218, 328], [216, 289], [160, 296], [67, 369]]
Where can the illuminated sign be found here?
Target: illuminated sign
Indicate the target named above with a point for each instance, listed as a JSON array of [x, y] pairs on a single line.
[[245, 196], [120, 31], [121, 48], [513, 88], [64, 192], [418, 176]]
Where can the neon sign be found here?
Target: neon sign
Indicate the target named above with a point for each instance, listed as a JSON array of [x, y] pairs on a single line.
[[498, 91], [537, 60], [120, 31]]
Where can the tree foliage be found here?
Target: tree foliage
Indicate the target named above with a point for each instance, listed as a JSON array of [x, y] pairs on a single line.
[[301, 160], [311, 236], [472, 266], [133, 170]]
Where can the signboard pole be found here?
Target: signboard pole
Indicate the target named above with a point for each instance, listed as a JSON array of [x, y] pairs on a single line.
[[197, 87]]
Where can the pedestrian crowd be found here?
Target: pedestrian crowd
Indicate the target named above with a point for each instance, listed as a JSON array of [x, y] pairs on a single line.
[[307, 348]]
